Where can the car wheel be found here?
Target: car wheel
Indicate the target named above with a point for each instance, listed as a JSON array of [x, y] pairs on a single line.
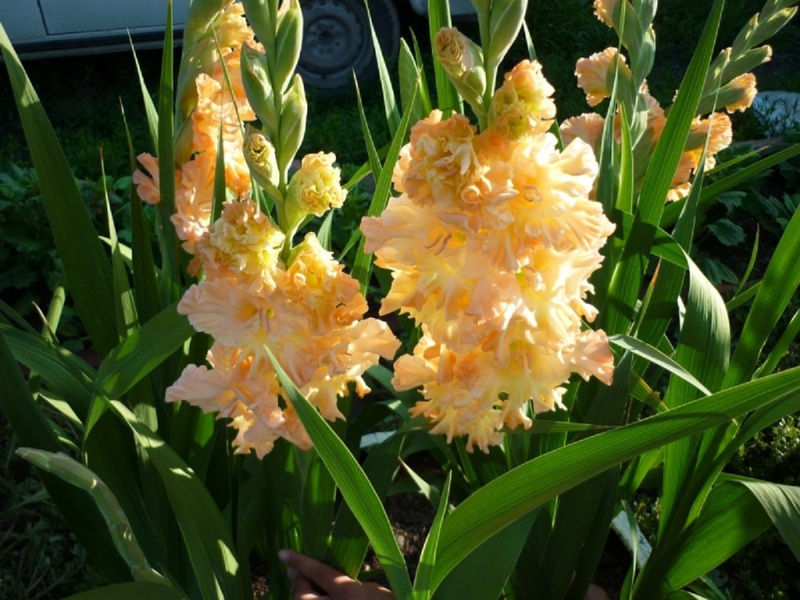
[[337, 41]]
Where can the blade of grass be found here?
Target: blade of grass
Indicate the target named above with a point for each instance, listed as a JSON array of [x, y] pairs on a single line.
[[422, 580]]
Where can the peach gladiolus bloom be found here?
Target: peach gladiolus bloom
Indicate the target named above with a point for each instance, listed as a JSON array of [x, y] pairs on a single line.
[[746, 86], [315, 188], [604, 9], [593, 74], [497, 273], [523, 104], [306, 310]]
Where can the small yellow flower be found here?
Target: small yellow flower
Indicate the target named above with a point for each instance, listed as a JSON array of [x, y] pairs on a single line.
[[315, 188], [523, 105]]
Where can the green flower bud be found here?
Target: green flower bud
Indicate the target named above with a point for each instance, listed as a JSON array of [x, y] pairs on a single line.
[[769, 27], [263, 18], [292, 124], [257, 86], [288, 43], [505, 22]]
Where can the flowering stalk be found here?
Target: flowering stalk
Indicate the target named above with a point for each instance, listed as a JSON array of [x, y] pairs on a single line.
[[491, 244]]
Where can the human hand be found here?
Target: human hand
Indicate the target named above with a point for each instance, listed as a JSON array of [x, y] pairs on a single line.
[[308, 575]]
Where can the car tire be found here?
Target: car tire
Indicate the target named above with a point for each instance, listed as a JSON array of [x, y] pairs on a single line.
[[337, 41]]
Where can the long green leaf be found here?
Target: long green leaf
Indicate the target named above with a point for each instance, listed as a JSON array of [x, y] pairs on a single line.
[[145, 285], [143, 351], [708, 195], [629, 271], [781, 503], [135, 590], [522, 489], [731, 518], [85, 262], [353, 483], [427, 559], [166, 160], [206, 536], [348, 542], [33, 430], [362, 266], [389, 100], [74, 473], [655, 356], [64, 373], [777, 287]]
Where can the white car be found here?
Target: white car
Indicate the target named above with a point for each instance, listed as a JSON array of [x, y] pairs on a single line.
[[337, 39]]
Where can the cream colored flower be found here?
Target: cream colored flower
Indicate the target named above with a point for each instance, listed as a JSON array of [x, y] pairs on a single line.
[[454, 51], [523, 105], [594, 73], [744, 89], [498, 279], [438, 162], [315, 188], [587, 127], [243, 243], [604, 9]]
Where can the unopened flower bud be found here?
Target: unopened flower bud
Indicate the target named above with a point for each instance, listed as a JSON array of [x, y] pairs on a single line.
[[263, 18], [505, 22], [293, 123], [257, 86], [739, 93], [462, 59], [288, 43], [315, 188], [260, 156]]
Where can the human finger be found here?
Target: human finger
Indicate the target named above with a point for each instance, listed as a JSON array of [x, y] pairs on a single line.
[[316, 572], [302, 588]]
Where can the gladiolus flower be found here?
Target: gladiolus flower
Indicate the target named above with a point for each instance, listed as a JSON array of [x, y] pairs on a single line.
[[593, 74], [744, 87], [604, 10], [523, 104], [495, 268], [315, 188], [439, 162]]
